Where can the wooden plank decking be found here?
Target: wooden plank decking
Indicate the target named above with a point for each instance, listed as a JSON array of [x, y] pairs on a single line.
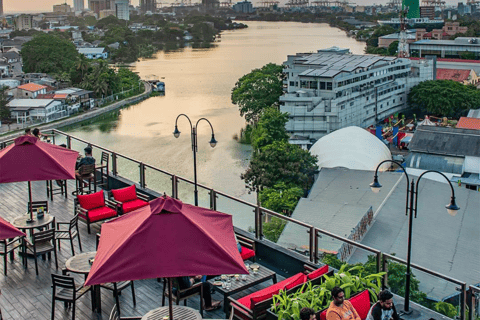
[[27, 296]]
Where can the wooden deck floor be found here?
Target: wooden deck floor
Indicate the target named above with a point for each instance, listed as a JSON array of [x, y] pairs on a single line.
[[27, 296]]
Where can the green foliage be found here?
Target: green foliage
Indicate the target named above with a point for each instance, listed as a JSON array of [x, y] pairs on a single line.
[[270, 128], [280, 198], [468, 55], [351, 279], [273, 228], [257, 90], [443, 98], [4, 110], [279, 161], [447, 309], [392, 48], [48, 53]]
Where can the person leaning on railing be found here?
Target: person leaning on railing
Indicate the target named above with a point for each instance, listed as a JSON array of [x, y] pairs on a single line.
[[341, 309]]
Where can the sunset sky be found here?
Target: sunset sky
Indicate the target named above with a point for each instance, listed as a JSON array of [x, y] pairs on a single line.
[[13, 6]]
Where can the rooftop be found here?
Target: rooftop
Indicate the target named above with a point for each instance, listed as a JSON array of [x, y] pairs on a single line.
[[32, 87], [453, 74], [31, 103], [468, 123], [460, 41], [91, 50]]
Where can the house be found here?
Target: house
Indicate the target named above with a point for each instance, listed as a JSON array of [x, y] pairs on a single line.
[[458, 75], [79, 98], [35, 110], [468, 123], [449, 150], [450, 29], [94, 53], [30, 90]]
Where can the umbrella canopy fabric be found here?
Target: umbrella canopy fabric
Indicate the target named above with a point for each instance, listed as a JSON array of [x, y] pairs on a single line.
[[8, 231], [166, 239], [29, 159]]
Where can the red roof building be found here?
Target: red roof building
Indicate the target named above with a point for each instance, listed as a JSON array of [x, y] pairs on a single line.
[[458, 75], [468, 123], [32, 87]]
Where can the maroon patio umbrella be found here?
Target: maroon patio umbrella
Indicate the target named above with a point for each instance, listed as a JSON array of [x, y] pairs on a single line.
[[8, 231], [166, 239], [29, 159]]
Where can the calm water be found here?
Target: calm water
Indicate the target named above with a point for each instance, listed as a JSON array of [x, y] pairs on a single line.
[[199, 84]]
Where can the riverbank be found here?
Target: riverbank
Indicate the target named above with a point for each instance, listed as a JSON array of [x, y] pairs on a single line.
[[90, 114]]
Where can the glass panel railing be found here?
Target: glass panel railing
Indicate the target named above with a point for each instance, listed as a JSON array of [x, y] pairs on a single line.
[[243, 214], [128, 169], [159, 181], [186, 191], [474, 303], [287, 234]]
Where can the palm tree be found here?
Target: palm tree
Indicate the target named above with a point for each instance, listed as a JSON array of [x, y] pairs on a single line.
[[82, 64]]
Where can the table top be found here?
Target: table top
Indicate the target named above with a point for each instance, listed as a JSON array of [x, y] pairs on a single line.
[[80, 263], [262, 275], [179, 312], [21, 221]]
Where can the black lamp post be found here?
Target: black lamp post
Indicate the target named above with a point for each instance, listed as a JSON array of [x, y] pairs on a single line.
[[410, 208], [212, 142]]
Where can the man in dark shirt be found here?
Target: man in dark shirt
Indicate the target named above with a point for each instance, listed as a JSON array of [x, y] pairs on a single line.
[[187, 282], [384, 309], [88, 159]]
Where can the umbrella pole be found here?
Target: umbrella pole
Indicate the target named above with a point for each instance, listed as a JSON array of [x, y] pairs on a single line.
[[30, 201], [170, 306]]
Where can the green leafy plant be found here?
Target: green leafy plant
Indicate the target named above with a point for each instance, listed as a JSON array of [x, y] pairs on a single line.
[[318, 297], [445, 308]]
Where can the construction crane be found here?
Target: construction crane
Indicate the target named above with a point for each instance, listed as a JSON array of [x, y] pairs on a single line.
[[342, 3], [473, 2], [160, 4], [226, 4], [434, 3], [269, 3], [322, 3], [395, 4]]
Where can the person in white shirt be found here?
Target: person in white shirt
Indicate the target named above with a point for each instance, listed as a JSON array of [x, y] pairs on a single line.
[[384, 309]]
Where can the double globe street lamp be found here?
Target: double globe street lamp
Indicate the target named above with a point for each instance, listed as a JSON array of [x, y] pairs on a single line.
[[193, 135], [410, 208]]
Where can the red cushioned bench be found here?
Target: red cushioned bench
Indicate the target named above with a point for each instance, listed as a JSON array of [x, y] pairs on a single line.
[[255, 305], [248, 247], [361, 303], [129, 199], [94, 207]]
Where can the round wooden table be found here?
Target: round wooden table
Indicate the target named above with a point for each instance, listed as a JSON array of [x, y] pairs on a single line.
[[80, 263], [179, 312], [21, 222]]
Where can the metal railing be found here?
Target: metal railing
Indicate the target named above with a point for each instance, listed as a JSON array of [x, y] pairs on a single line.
[[259, 213], [473, 301]]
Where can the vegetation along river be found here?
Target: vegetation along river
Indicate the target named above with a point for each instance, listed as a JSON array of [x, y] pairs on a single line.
[[199, 83]]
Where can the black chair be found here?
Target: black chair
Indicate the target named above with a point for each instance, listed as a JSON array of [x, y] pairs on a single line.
[[64, 289], [69, 234], [42, 242], [57, 187], [115, 315], [8, 246], [183, 294], [104, 170], [85, 175]]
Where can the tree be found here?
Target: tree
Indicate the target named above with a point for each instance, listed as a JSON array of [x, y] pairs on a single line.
[[444, 98], [258, 90], [47, 53], [279, 162], [270, 128], [5, 114], [280, 198], [392, 48]]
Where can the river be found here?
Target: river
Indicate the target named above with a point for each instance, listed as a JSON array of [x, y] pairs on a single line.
[[199, 83]]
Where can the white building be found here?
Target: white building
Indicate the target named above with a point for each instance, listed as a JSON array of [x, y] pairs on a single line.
[[330, 90], [32, 110], [122, 9], [94, 53], [78, 5]]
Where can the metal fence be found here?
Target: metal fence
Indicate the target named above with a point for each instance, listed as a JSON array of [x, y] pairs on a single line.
[[136, 171]]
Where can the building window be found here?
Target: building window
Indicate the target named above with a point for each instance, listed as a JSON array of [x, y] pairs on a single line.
[[322, 86], [292, 83], [329, 86], [351, 104], [342, 107], [313, 85]]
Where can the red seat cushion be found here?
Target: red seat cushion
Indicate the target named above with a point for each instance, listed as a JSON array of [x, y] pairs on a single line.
[[361, 303], [247, 253], [295, 280], [91, 201], [101, 214], [323, 314], [125, 194], [317, 273], [133, 205]]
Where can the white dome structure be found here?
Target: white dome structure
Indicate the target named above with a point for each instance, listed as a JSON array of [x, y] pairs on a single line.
[[352, 148]]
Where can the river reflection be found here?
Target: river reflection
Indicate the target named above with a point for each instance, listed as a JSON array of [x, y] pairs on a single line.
[[199, 83]]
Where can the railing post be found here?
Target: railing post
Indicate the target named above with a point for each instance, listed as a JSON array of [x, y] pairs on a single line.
[[258, 223], [213, 200], [53, 137], [463, 301], [114, 164], [316, 247], [174, 187], [379, 262], [69, 142], [470, 303], [385, 269], [312, 244], [142, 175]]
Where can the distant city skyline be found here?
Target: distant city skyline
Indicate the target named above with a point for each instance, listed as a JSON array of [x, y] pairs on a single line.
[[16, 6]]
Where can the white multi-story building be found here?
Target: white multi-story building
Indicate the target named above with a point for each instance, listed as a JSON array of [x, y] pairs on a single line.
[[332, 89], [78, 5], [122, 9]]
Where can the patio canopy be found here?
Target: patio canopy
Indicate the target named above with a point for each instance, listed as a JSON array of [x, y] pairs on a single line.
[[8, 231], [166, 239]]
